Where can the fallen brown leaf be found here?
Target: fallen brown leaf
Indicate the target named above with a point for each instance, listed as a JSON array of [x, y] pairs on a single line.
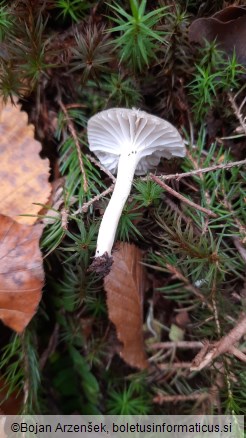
[[125, 286], [227, 26], [23, 174], [9, 404], [21, 272]]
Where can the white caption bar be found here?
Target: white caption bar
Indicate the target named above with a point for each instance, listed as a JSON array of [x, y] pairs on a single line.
[[54, 426]]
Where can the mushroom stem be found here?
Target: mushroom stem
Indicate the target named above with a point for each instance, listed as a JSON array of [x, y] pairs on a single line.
[[126, 169]]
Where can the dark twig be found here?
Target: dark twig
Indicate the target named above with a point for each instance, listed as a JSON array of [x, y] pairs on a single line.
[[174, 365], [100, 166], [76, 141], [237, 112], [96, 198], [225, 345], [51, 347], [179, 344], [86, 205], [178, 176], [177, 274], [181, 197], [163, 398]]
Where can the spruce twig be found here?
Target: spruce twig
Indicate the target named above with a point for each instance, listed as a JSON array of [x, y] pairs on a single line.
[[177, 274], [100, 166], [181, 197], [225, 345], [174, 366], [86, 205], [178, 176], [96, 198], [76, 141], [53, 341], [179, 344], [237, 111], [163, 398]]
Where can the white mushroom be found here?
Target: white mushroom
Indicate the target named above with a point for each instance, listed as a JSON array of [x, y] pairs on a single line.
[[133, 142]]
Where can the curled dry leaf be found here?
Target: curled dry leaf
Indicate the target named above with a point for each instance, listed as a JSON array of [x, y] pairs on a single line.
[[227, 26], [125, 286], [21, 272], [23, 174]]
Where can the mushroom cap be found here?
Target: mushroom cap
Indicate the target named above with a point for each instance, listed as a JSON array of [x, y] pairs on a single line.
[[120, 130]]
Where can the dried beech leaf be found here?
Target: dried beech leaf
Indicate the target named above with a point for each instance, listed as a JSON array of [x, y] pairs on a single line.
[[21, 272], [230, 13], [125, 286], [23, 174], [10, 404], [228, 27]]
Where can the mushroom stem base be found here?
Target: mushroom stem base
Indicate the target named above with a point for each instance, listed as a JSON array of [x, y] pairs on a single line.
[[102, 264]]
